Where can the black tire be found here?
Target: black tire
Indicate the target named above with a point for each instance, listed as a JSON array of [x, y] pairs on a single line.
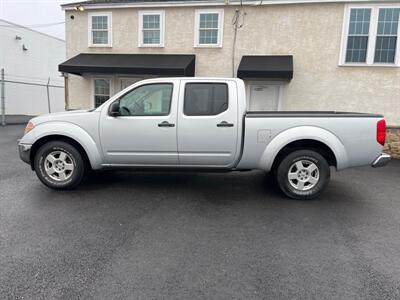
[[306, 189], [73, 156]]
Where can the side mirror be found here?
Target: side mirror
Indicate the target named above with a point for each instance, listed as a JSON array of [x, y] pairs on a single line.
[[114, 109]]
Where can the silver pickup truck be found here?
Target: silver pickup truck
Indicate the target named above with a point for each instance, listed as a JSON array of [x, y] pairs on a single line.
[[201, 124]]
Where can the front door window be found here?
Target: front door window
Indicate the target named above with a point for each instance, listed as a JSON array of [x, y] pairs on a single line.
[[147, 100]]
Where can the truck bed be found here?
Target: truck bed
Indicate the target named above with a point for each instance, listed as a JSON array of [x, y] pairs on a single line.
[[351, 135]]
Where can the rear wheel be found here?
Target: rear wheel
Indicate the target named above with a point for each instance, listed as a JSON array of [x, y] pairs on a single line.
[[59, 165], [303, 174]]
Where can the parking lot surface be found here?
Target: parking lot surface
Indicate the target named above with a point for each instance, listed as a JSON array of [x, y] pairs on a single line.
[[141, 235]]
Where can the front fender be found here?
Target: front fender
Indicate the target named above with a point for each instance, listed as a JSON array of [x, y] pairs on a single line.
[[69, 130], [304, 133]]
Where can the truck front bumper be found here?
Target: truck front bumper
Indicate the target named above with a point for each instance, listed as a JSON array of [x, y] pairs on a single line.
[[25, 152], [381, 161]]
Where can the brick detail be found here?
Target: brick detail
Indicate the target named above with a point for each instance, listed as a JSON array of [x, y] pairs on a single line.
[[392, 145]]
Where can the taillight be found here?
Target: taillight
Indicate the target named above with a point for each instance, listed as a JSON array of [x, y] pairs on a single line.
[[381, 132]]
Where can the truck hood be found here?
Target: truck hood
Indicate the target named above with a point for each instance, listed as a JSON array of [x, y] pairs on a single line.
[[59, 116]]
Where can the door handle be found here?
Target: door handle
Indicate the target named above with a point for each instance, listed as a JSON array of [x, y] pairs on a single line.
[[224, 124], [166, 124]]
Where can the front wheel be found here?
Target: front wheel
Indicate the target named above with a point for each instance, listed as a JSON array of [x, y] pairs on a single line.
[[303, 174], [59, 165]]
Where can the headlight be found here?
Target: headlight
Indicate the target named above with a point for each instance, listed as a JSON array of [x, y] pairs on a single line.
[[29, 127]]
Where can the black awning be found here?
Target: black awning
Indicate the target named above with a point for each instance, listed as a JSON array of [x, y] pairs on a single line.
[[266, 67], [144, 64]]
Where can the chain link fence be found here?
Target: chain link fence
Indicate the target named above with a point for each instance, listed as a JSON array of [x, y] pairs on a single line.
[[29, 96]]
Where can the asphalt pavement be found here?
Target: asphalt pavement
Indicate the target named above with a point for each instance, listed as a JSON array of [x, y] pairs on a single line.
[[167, 235]]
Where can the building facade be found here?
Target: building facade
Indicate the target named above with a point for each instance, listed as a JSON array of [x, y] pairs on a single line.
[[30, 61], [293, 55]]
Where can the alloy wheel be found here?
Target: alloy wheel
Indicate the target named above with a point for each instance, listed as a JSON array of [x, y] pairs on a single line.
[[59, 165], [303, 175]]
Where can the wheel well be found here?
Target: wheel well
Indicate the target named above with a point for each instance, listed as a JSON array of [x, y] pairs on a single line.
[[40, 142], [314, 145]]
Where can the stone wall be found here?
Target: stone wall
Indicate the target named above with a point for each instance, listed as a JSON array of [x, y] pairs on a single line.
[[392, 145]]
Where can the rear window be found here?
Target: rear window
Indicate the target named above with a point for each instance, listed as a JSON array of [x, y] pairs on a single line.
[[205, 99]]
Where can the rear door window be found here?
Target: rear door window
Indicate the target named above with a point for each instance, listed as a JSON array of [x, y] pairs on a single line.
[[205, 99]]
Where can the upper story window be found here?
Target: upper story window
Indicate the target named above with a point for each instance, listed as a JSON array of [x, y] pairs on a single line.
[[357, 41], [100, 32], [151, 29], [205, 99], [371, 36], [387, 34], [209, 27]]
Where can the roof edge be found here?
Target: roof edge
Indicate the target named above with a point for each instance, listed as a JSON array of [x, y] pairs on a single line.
[[30, 29], [182, 3]]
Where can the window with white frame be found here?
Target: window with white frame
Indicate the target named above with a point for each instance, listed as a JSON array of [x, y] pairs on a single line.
[[208, 31], [101, 90], [386, 36], [151, 29], [100, 29], [357, 40], [371, 35]]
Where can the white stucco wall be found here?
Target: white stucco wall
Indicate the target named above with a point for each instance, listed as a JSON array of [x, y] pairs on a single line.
[[35, 65], [310, 32]]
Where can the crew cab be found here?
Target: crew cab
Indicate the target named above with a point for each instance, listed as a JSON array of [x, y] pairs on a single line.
[[201, 124]]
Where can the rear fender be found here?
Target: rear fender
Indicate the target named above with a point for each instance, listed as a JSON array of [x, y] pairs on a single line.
[[303, 133]]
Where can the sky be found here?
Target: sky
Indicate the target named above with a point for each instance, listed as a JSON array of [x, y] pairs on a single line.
[[36, 12]]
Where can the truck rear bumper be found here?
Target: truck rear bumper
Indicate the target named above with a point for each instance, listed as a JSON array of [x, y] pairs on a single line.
[[381, 161]]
